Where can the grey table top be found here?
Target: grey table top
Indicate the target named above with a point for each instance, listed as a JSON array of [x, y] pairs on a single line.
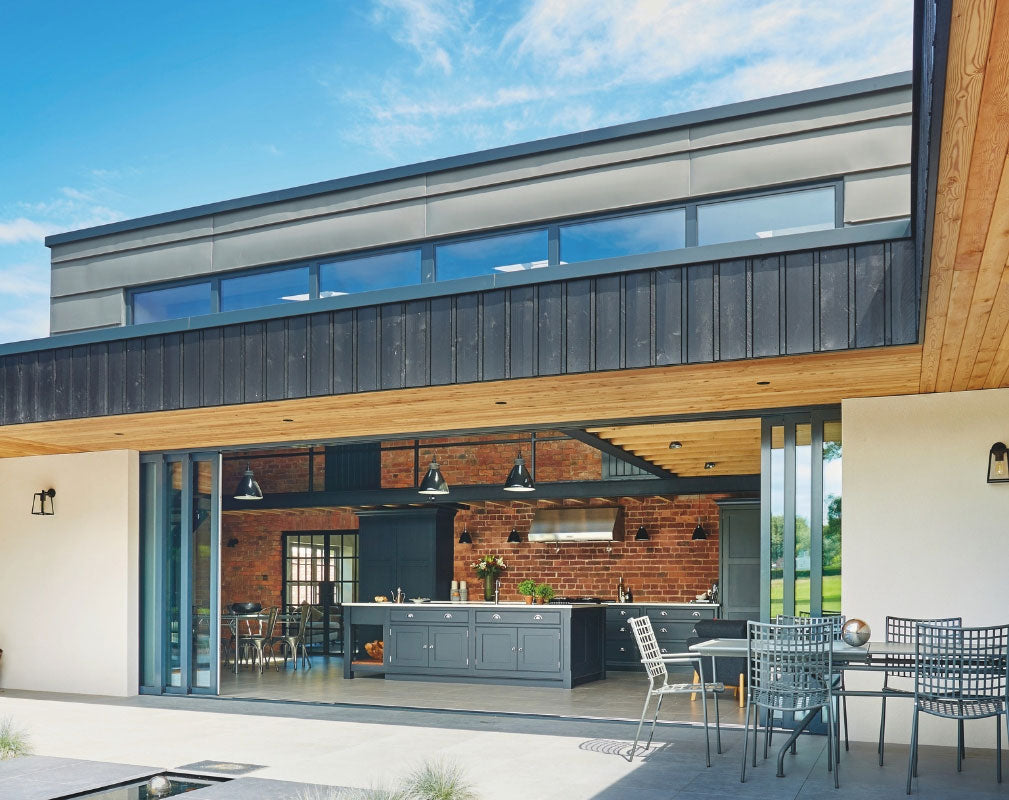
[[736, 648]]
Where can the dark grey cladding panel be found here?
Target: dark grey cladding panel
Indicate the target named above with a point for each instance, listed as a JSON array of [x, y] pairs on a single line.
[[807, 301]]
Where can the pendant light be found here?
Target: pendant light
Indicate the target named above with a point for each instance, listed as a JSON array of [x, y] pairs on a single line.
[[642, 535], [514, 538], [465, 538], [247, 488], [699, 532], [519, 479], [434, 482]]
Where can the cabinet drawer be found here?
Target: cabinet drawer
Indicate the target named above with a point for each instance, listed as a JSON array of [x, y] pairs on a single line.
[[622, 651], [518, 617], [442, 615], [618, 629], [658, 613], [677, 630], [621, 611]]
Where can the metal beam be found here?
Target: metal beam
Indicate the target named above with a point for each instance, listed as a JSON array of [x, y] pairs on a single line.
[[616, 451], [716, 484]]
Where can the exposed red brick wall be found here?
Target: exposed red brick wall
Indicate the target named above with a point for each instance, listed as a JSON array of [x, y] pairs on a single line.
[[669, 567], [251, 571], [275, 473]]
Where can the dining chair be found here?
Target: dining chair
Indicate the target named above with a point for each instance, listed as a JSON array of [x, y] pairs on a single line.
[[903, 630], [256, 646], [658, 681], [790, 671], [960, 673], [294, 643]]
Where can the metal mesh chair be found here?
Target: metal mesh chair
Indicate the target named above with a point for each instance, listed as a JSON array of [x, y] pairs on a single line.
[[790, 671], [961, 674], [903, 630], [658, 681]]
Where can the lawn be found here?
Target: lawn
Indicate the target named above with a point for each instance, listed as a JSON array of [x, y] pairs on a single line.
[[831, 594]]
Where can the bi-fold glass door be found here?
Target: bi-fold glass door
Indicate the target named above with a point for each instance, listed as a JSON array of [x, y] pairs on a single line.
[[179, 573]]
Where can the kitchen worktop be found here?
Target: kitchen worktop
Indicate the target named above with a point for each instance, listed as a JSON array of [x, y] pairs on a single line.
[[520, 604]]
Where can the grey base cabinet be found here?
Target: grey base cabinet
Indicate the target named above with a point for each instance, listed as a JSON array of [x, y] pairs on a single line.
[[673, 625], [521, 649], [438, 646]]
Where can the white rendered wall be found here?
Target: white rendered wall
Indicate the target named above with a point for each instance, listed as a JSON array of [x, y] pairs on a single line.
[[69, 597], [923, 533]]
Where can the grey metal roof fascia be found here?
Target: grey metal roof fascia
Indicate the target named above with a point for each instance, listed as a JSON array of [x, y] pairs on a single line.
[[554, 143], [836, 237]]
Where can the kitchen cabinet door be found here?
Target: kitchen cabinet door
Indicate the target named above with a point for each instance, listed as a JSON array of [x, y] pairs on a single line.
[[539, 650], [496, 648], [408, 645], [449, 646]]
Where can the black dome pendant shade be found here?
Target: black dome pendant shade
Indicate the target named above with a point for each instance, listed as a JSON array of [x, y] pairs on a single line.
[[464, 537], [699, 532], [519, 479], [434, 482], [514, 538], [642, 534], [247, 488]]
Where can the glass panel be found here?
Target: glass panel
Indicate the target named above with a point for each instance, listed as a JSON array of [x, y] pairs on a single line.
[[264, 289], [353, 275], [623, 236], [513, 252], [174, 603], [803, 515], [832, 517], [203, 645], [175, 302], [766, 216], [777, 518], [149, 565]]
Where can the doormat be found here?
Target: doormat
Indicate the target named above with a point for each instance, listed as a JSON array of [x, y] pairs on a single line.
[[219, 768]]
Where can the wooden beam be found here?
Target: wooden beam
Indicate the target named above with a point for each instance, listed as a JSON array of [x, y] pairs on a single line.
[[617, 452]]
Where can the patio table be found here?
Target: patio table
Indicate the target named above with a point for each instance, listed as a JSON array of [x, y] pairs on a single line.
[[233, 621], [870, 657]]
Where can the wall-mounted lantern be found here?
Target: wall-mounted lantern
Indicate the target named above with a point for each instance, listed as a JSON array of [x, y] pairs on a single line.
[[998, 463], [40, 507]]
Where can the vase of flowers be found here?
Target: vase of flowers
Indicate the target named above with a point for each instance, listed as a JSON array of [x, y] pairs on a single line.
[[489, 567]]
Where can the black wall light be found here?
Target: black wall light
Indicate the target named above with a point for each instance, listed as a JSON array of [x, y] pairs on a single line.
[[642, 535], [699, 532], [434, 482], [465, 538], [39, 499], [232, 542], [998, 463], [513, 537], [519, 479], [247, 488]]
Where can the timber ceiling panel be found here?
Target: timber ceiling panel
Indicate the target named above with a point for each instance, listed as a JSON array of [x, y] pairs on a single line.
[[966, 343], [732, 444], [586, 399]]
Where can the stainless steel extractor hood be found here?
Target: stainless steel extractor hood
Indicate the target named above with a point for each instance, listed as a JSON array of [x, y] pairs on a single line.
[[574, 525]]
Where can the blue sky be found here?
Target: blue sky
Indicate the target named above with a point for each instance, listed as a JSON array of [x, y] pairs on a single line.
[[111, 110]]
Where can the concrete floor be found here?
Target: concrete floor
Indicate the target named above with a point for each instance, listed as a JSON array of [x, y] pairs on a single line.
[[619, 696], [505, 756]]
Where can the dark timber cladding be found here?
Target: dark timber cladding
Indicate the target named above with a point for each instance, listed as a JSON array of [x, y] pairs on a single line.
[[808, 301]]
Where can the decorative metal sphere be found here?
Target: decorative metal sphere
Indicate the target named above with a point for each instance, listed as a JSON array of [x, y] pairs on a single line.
[[856, 632], [159, 786]]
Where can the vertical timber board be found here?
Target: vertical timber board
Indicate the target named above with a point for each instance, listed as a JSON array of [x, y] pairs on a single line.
[[607, 323], [276, 359], [4, 394], [467, 338], [391, 346], [320, 354], [79, 381], [135, 375], [296, 385], [870, 301], [416, 343], [578, 327], [700, 313], [234, 359], [47, 379], [117, 377], [28, 372], [732, 310], [522, 332], [834, 300], [172, 393], [343, 352], [442, 341], [13, 410], [903, 294], [366, 358], [254, 342], [668, 316], [799, 303], [638, 319], [550, 329], [766, 307], [154, 374], [213, 374], [495, 335], [192, 369]]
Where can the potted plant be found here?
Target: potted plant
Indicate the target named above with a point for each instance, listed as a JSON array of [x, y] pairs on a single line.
[[489, 567], [544, 593], [527, 589]]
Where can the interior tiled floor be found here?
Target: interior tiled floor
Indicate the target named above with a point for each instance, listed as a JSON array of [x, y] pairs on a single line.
[[619, 696]]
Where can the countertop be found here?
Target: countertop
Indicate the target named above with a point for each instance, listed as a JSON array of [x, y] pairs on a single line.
[[513, 604]]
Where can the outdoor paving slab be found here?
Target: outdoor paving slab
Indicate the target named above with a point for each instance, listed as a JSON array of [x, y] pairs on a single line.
[[218, 768], [45, 777], [265, 789]]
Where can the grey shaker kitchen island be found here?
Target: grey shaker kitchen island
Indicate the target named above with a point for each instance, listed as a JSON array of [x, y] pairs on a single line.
[[559, 645]]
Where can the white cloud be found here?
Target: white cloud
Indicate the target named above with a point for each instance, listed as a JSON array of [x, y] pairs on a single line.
[[22, 229], [29, 321], [426, 26], [25, 281]]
